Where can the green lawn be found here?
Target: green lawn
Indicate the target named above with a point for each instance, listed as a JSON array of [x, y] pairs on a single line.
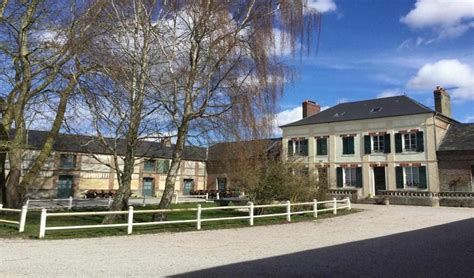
[[33, 218]]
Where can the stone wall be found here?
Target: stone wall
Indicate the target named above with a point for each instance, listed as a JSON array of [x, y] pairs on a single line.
[[455, 170]]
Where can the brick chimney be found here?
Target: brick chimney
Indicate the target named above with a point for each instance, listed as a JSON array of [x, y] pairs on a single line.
[[442, 101], [310, 108]]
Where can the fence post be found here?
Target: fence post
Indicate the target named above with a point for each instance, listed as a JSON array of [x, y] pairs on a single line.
[[130, 220], [43, 223], [109, 202], [69, 207], [24, 211], [1, 206], [251, 213], [349, 207], [198, 217], [288, 211], [334, 204], [144, 202], [207, 196], [28, 202], [217, 196], [176, 197], [315, 208]]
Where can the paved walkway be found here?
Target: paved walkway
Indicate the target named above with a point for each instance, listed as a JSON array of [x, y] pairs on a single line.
[[388, 241]]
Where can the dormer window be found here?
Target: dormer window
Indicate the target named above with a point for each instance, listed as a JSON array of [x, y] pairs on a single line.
[[376, 109], [339, 114]]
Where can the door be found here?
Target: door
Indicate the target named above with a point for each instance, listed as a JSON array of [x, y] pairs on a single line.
[[147, 187], [65, 187], [379, 179], [221, 184], [187, 186]]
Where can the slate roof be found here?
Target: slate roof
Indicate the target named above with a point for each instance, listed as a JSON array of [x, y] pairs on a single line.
[[458, 138], [226, 150], [89, 144], [359, 110]]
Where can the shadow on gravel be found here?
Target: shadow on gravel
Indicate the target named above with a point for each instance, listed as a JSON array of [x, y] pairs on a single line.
[[439, 251]]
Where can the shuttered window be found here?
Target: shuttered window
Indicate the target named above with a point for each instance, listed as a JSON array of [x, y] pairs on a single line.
[[298, 147], [378, 144], [163, 166], [321, 146], [348, 145], [411, 177], [67, 161], [149, 165]]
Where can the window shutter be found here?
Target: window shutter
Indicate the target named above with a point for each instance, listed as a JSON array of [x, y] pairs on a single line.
[[422, 173], [359, 177], [339, 176], [290, 147], [398, 142], [324, 146], [420, 146], [399, 177], [367, 147], [304, 147], [387, 147], [351, 145], [344, 145]]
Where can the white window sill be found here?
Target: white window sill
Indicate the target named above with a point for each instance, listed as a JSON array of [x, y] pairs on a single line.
[[378, 154], [348, 155]]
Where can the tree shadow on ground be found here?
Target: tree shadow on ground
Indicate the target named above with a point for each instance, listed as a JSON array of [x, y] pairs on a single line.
[[440, 251]]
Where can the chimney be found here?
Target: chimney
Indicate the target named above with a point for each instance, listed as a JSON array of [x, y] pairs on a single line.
[[310, 108], [442, 101], [166, 141]]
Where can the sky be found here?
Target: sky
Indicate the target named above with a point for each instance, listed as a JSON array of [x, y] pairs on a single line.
[[380, 48]]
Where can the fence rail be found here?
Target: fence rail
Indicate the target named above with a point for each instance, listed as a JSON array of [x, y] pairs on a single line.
[[22, 221], [346, 204]]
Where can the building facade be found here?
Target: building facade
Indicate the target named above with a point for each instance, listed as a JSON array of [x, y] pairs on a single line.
[[79, 164], [372, 146]]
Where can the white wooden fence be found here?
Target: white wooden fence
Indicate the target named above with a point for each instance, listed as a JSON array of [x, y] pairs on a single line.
[[331, 205], [21, 223]]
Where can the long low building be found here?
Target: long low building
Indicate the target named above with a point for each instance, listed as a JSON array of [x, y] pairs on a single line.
[[80, 163]]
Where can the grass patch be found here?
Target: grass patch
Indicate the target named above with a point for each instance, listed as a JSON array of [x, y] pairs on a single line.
[[33, 219]]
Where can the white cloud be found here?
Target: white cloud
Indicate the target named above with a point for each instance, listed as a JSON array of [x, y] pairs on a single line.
[[446, 73], [322, 6], [448, 18], [389, 93], [288, 116]]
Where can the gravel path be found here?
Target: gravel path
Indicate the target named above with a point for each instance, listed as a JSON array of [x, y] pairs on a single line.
[[392, 241]]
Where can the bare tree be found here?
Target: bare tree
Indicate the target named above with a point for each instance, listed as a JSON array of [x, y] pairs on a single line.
[[118, 99], [213, 51], [40, 46]]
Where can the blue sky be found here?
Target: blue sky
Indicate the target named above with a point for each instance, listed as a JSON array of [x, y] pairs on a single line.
[[375, 48]]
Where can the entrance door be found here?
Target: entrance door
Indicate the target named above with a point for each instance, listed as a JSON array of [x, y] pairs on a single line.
[[65, 187], [379, 179], [147, 187], [187, 186]]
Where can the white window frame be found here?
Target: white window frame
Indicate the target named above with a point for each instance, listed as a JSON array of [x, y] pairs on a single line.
[[352, 177], [297, 142], [413, 142], [405, 175], [380, 143]]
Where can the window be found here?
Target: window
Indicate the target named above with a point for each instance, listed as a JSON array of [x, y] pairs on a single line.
[[163, 166], [348, 145], [222, 184], [149, 165], [298, 147], [412, 176], [340, 114], [321, 146], [409, 140], [376, 109], [67, 161], [378, 144], [350, 177]]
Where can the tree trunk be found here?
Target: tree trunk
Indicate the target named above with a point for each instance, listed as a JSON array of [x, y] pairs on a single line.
[[13, 190], [167, 197]]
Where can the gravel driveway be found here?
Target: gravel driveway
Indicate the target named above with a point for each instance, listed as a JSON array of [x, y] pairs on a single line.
[[389, 241]]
